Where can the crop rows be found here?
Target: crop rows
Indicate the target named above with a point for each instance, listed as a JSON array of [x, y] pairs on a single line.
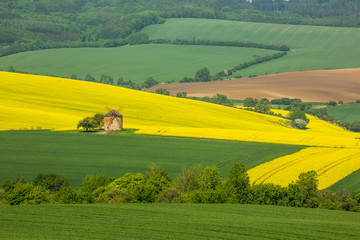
[[175, 221], [331, 165]]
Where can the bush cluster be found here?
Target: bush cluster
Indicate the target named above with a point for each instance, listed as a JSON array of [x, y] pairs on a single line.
[[217, 99], [107, 79], [96, 121], [194, 184]]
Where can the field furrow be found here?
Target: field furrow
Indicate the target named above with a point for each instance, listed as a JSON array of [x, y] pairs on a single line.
[[331, 164]]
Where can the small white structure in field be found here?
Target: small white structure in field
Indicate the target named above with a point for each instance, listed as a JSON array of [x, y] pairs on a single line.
[[113, 121]]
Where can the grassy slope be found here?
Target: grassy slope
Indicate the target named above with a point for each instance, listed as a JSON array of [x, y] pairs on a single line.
[[186, 221], [314, 47], [76, 155], [346, 112], [162, 62]]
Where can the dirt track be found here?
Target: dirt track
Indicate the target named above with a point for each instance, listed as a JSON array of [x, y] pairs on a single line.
[[310, 86]]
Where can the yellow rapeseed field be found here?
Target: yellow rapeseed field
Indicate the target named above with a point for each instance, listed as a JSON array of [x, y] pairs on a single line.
[[331, 164], [39, 102]]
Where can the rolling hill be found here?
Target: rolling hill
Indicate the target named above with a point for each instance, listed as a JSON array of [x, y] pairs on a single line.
[[313, 47], [137, 62], [40, 102], [77, 155], [310, 86]]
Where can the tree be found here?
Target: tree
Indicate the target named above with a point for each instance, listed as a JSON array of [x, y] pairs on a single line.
[[52, 182], [354, 126], [150, 82], [237, 184], [299, 123], [162, 91], [221, 99], [209, 178], [99, 119], [156, 180], [11, 69], [182, 94], [298, 114], [203, 75], [188, 179], [138, 38], [303, 193], [106, 79], [250, 102], [89, 78], [73, 76], [331, 103], [87, 123], [263, 106], [92, 182]]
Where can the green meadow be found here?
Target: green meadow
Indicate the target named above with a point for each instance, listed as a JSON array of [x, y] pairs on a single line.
[[313, 47], [28, 153], [346, 112], [136, 62], [175, 221]]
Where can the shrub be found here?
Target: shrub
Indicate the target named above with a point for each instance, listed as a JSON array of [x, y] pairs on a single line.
[[182, 94], [162, 91], [87, 123], [250, 102], [299, 123], [298, 114], [138, 38], [52, 182], [331, 103]]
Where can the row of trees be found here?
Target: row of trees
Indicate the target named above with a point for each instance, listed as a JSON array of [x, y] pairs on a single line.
[[217, 99], [195, 41], [296, 106], [194, 184], [107, 79], [203, 74]]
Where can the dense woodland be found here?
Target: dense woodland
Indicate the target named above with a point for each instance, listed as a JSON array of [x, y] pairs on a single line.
[[32, 25]]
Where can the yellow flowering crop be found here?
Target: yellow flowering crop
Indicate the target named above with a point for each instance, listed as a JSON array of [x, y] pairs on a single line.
[[32, 102], [39, 102], [331, 164]]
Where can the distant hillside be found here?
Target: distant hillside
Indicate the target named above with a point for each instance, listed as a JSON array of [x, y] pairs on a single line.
[[346, 112], [136, 63], [33, 25], [310, 86], [312, 47]]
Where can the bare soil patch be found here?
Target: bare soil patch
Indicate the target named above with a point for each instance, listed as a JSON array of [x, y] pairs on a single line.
[[310, 86]]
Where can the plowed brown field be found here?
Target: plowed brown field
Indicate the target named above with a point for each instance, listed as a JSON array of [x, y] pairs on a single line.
[[310, 86]]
